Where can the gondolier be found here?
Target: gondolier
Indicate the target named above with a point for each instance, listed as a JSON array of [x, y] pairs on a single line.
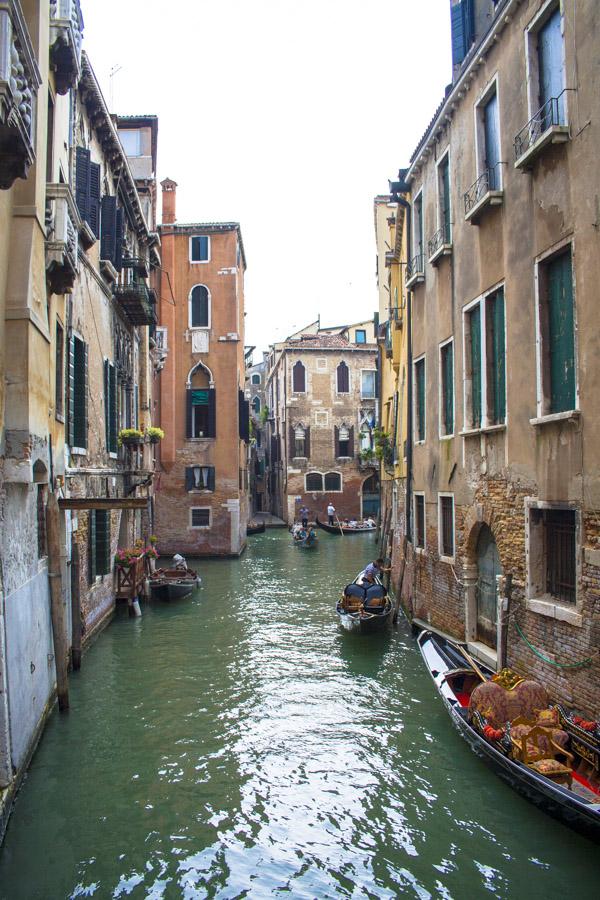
[[330, 512], [374, 570], [304, 516]]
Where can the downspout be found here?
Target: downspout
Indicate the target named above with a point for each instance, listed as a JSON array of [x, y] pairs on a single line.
[[409, 379]]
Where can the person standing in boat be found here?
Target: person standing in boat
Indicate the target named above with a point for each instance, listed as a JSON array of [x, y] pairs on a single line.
[[330, 512], [304, 516], [374, 570]]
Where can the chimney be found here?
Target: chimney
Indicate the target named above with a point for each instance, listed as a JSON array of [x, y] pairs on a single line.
[[168, 201]]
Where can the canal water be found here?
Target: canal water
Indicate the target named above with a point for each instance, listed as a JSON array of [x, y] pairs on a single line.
[[238, 744]]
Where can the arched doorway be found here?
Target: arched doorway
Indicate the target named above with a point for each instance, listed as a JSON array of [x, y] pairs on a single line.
[[488, 568], [370, 496]]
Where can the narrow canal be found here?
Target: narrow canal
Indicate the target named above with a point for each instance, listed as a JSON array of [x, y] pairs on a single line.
[[240, 745]]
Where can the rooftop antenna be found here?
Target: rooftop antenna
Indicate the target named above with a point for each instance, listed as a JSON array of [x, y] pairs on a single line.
[[111, 91]]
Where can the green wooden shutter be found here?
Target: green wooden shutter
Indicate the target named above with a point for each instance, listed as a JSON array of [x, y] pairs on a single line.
[[92, 544], [108, 241], [113, 409], [336, 440], [189, 413], [119, 234], [211, 478], [107, 403], [446, 199], [420, 372], [448, 388], [561, 334], [351, 441], [80, 392], [307, 442], [94, 201], [475, 340], [243, 417], [71, 387], [498, 361], [212, 413], [103, 565], [82, 182]]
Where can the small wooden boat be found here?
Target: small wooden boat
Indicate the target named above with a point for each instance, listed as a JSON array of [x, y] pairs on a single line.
[[568, 796], [173, 584], [364, 609], [255, 529], [343, 529], [308, 542]]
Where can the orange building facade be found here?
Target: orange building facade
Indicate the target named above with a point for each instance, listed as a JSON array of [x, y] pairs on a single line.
[[202, 497]]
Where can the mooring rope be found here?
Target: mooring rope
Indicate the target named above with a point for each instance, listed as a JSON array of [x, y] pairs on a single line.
[[552, 662]]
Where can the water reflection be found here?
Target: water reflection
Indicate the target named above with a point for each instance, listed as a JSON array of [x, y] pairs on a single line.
[[240, 744]]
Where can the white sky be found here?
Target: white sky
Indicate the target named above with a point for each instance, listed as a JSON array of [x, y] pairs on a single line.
[[288, 116]]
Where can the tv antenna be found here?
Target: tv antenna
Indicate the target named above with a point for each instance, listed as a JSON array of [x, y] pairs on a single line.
[[111, 91]]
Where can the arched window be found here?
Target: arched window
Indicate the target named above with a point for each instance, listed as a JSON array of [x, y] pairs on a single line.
[[299, 378], [333, 481], [343, 379], [199, 316], [255, 378], [314, 482], [256, 405]]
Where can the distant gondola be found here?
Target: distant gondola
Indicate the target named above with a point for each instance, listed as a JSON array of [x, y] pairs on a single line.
[[364, 608], [308, 542], [255, 529], [173, 584], [343, 529], [575, 800]]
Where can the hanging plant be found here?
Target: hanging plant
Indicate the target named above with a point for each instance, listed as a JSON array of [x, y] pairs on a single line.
[[154, 434], [130, 437]]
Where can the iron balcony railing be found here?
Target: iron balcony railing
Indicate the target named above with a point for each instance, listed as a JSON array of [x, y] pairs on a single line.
[[551, 113], [137, 263], [135, 302], [487, 181], [416, 266], [439, 239]]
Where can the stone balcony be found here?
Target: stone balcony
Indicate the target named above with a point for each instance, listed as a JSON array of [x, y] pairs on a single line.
[[66, 30], [19, 81], [62, 225]]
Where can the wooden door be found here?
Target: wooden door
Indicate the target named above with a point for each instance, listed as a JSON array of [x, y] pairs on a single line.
[[488, 567]]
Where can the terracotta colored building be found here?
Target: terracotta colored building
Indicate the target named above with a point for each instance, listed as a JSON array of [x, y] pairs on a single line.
[[202, 499]]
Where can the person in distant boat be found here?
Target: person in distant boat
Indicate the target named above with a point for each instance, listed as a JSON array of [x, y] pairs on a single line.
[[304, 516], [179, 562], [370, 522], [296, 528], [353, 523], [330, 512], [374, 570]]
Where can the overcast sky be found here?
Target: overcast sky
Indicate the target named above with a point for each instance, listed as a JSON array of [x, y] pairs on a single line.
[[288, 116]]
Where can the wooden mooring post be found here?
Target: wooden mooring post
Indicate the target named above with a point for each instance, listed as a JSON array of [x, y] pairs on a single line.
[[57, 607], [75, 609]]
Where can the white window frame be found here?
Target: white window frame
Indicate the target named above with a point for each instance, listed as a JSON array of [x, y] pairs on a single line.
[[324, 490], [199, 327], [443, 557], [201, 527], [491, 88], [415, 398], [418, 194], [542, 603], [486, 424], [532, 75], [199, 262], [314, 472], [417, 547], [541, 382], [443, 156], [365, 396], [442, 436]]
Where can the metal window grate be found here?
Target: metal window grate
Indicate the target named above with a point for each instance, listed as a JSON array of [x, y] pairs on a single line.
[[447, 525], [560, 554]]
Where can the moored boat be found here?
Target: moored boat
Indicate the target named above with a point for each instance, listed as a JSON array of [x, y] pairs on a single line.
[[343, 529], [364, 608], [535, 752], [255, 529], [173, 584]]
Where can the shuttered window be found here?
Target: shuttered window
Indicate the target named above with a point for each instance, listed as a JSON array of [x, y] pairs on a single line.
[[447, 388], [420, 521], [200, 248], [200, 478], [59, 369], [87, 189], [108, 240], [420, 399], [78, 393], [444, 197], [201, 413], [462, 23], [496, 357], [298, 378], [343, 379], [474, 320], [446, 526], [110, 406], [243, 417], [560, 338], [99, 543]]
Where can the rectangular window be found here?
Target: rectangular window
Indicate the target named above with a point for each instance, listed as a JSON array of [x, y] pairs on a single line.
[[550, 70], [556, 317], [42, 543], [418, 226], [474, 374], [462, 24], [360, 336], [368, 386], [200, 478], [446, 525], [110, 406], [200, 248], [420, 521], [419, 369], [131, 141], [444, 199], [553, 554], [447, 388], [78, 393], [491, 143], [201, 413], [87, 189], [59, 371], [200, 517], [99, 543], [495, 358]]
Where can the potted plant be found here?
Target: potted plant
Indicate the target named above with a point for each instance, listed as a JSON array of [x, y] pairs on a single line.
[[154, 434], [130, 437]]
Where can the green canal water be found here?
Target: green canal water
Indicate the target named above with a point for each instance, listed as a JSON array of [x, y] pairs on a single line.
[[238, 744]]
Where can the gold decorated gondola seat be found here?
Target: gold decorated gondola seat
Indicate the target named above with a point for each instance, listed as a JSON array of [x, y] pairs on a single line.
[[537, 750]]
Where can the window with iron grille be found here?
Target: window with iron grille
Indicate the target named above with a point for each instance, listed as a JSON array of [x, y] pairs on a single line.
[[333, 481], [200, 517], [314, 482], [553, 554], [446, 525], [420, 521]]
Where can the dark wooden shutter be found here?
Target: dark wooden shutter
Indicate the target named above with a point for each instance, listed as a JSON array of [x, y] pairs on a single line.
[[463, 30], [71, 390], [112, 408], [292, 442], [108, 241], [103, 566], [94, 201], [343, 379], [299, 378], [307, 442], [498, 361], [475, 328], [561, 334], [119, 235], [351, 441], [212, 414], [92, 544], [336, 440], [244, 417], [420, 379], [189, 414], [273, 449], [189, 478], [448, 388], [107, 403], [82, 182], [80, 392], [211, 478]]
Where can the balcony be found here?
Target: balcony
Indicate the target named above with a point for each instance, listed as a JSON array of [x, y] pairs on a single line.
[[19, 81], [62, 224], [415, 270], [439, 245], [483, 194], [138, 263], [135, 302], [544, 128], [66, 28]]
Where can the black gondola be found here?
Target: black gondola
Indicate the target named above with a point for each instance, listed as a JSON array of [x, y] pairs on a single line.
[[576, 803], [341, 529], [364, 608], [173, 584], [255, 529], [308, 542]]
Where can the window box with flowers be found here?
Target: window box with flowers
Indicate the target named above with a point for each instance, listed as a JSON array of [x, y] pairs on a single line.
[[154, 434], [130, 437]]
